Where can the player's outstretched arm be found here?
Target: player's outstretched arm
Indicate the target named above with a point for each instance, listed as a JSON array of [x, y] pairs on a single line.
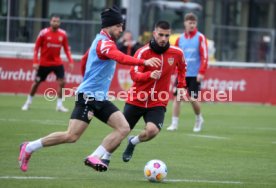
[[108, 49], [152, 62]]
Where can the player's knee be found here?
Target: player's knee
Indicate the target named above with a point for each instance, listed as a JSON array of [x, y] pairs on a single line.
[[124, 130], [152, 132], [62, 85], [71, 138], [37, 81]]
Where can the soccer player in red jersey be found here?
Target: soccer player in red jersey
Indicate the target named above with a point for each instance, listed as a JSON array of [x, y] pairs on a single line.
[[49, 42], [149, 94]]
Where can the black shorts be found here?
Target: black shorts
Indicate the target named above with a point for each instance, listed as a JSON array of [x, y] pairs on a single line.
[[154, 115], [193, 87], [84, 107], [43, 72]]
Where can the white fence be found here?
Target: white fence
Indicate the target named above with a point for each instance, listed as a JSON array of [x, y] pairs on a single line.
[[24, 50]]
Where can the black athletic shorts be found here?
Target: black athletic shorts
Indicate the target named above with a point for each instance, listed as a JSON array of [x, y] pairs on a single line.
[[193, 87], [85, 106], [154, 115], [43, 72]]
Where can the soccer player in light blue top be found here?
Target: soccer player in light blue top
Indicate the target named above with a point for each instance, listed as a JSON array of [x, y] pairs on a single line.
[[194, 45], [91, 97]]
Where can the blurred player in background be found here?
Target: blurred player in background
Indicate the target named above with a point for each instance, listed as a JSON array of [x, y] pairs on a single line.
[[151, 86], [127, 45], [92, 97], [49, 42], [194, 45]]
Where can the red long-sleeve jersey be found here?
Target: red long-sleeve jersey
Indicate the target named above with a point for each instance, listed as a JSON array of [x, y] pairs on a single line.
[[108, 50], [147, 92], [202, 50], [49, 43]]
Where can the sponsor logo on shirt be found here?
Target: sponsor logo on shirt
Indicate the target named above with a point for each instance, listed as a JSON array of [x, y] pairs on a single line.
[[51, 45]]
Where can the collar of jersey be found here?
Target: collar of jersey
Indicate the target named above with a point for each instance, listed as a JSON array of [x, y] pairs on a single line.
[[106, 34], [190, 34]]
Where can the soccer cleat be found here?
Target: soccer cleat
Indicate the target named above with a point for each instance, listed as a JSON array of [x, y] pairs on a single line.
[[24, 157], [127, 155], [106, 162], [61, 109], [26, 106], [172, 127], [95, 163], [198, 124]]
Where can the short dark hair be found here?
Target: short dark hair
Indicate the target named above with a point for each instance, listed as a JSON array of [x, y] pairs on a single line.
[[54, 16], [162, 24], [190, 16]]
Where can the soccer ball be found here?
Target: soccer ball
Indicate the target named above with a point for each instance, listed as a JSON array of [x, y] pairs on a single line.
[[155, 170]]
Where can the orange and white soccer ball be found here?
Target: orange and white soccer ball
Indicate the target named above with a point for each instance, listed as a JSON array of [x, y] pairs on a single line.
[[155, 170]]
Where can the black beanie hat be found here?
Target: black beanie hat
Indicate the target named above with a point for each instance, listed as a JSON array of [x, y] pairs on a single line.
[[111, 16]]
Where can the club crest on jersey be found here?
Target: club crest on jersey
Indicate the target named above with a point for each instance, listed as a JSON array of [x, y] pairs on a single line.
[[170, 60], [60, 38]]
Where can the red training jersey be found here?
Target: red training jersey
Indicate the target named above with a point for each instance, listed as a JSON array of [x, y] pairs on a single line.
[[147, 92], [49, 43]]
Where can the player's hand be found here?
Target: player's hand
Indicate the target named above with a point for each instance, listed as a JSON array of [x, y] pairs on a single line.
[[181, 92], [155, 74], [152, 62], [174, 89], [199, 77], [35, 66], [71, 66]]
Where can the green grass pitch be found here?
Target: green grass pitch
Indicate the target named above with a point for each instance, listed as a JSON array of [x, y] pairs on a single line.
[[236, 149]]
